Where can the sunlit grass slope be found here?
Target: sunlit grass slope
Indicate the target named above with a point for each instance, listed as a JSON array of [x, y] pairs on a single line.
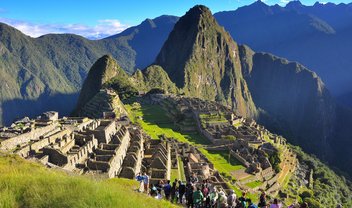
[[28, 184]]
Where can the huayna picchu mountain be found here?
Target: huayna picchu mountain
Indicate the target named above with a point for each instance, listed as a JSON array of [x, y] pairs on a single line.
[[203, 60]]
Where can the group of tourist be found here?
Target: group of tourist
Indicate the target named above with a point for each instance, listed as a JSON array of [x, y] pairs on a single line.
[[196, 194]]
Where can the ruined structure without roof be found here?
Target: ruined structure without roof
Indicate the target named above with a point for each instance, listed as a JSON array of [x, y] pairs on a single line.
[[78, 144]]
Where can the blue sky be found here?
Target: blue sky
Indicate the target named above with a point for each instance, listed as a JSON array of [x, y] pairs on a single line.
[[99, 18]]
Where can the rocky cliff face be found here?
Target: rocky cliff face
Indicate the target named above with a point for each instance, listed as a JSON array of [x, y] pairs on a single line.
[[294, 100], [203, 60]]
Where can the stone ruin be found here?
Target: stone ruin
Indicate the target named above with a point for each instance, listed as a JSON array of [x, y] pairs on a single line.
[[132, 164], [157, 160], [110, 147], [105, 104]]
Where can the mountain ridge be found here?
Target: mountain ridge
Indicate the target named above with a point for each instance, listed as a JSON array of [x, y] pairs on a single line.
[[55, 65], [201, 58]]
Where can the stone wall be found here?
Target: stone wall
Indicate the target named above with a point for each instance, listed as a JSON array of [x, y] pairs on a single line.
[[81, 154], [109, 157], [239, 158], [104, 131], [133, 161], [12, 143], [55, 156]]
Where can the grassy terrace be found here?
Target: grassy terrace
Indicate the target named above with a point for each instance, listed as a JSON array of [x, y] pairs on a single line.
[[179, 172], [28, 184], [155, 122], [212, 118], [220, 161], [254, 184]]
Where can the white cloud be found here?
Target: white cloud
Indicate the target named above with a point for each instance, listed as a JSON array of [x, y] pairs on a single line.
[[102, 29], [284, 2]]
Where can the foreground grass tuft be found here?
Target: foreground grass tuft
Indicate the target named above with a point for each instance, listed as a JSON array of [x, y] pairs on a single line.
[[28, 184]]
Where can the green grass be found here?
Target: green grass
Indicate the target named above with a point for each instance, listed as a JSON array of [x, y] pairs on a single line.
[[212, 118], [28, 184], [254, 184], [156, 122], [181, 169], [220, 161], [162, 124], [174, 174]]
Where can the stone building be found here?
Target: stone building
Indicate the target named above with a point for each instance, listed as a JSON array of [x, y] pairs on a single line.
[[109, 156], [157, 160], [132, 164]]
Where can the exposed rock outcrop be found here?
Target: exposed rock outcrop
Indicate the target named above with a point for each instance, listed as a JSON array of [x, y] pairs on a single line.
[[203, 60]]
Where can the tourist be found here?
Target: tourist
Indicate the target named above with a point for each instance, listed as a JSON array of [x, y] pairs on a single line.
[[197, 198], [275, 204], [153, 190], [173, 192], [159, 196], [213, 196], [205, 193], [167, 190], [250, 204], [177, 194], [243, 200], [193, 179], [146, 182], [139, 178], [238, 204], [181, 190], [205, 190], [189, 195], [222, 200], [206, 183], [231, 199], [160, 186], [262, 200]]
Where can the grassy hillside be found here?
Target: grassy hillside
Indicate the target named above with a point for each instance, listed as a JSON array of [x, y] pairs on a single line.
[[28, 184], [37, 72], [325, 188], [155, 121], [328, 187]]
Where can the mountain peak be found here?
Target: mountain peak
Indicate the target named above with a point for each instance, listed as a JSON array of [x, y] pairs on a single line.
[[259, 4], [294, 4], [103, 70], [197, 13], [201, 58], [200, 9]]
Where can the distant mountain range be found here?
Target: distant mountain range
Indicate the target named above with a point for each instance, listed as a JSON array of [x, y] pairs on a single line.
[[201, 58], [46, 73], [203, 61], [317, 36]]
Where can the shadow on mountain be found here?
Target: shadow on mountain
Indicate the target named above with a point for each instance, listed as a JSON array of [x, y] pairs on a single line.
[[19, 108]]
